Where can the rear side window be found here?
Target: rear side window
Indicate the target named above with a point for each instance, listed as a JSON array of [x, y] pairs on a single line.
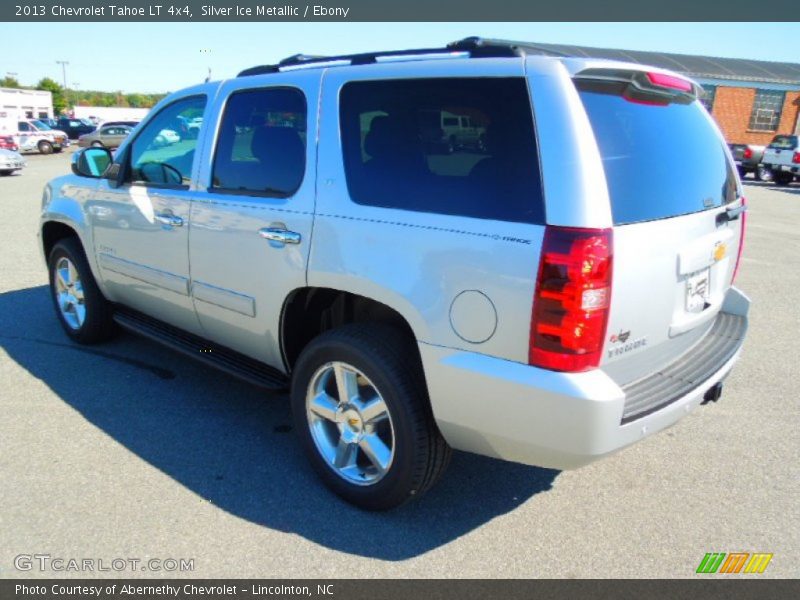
[[455, 146], [784, 142], [661, 159], [261, 150]]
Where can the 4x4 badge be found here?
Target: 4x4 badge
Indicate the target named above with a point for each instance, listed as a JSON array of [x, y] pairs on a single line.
[[622, 336]]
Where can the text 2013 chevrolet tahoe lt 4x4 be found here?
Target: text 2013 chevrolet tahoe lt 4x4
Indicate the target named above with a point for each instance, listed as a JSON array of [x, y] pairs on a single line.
[[548, 296]]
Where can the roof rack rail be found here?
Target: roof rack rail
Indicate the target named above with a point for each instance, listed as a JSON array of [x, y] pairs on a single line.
[[476, 47]]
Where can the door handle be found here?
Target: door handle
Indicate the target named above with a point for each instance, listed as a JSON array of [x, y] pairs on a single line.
[[731, 214], [169, 220], [282, 236]]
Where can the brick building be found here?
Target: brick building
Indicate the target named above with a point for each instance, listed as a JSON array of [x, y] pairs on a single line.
[[751, 100]]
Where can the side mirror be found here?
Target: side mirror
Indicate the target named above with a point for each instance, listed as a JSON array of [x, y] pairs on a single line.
[[91, 162]]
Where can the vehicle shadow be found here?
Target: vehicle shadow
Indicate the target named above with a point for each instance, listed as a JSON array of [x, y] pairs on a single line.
[[230, 444], [772, 187]]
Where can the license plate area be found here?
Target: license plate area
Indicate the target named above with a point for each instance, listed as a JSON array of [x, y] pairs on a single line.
[[698, 290]]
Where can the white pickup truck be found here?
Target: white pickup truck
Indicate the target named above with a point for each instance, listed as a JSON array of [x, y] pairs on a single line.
[[782, 157]]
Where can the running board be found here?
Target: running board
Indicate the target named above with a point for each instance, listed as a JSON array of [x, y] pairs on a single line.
[[219, 357]]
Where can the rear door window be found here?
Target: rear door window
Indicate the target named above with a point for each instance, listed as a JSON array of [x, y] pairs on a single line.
[[404, 147], [661, 159], [261, 149]]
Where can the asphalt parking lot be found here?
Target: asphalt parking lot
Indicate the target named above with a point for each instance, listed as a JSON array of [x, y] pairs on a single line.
[[129, 450]]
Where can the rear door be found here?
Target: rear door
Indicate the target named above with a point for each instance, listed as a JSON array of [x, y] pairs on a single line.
[[675, 203], [251, 223]]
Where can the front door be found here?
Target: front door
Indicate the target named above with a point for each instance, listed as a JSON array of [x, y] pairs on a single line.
[[141, 228], [251, 225]]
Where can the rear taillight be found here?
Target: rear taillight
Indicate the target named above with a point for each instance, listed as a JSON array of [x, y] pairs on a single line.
[[573, 295], [748, 153], [796, 158], [741, 241]]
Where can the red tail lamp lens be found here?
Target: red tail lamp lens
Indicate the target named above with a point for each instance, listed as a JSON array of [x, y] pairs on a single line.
[[573, 295], [669, 81]]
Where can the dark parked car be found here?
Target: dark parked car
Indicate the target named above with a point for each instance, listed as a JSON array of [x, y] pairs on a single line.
[[119, 124], [75, 128]]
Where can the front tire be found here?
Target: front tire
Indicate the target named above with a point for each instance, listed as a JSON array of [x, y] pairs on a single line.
[[361, 410], [45, 147], [84, 313]]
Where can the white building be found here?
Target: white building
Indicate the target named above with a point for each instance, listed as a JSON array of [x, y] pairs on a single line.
[[109, 113], [18, 104]]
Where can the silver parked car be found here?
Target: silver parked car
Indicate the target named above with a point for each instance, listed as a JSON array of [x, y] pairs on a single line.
[[110, 136], [10, 161], [549, 298]]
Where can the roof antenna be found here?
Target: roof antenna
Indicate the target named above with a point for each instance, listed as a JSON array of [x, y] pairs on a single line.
[[208, 77]]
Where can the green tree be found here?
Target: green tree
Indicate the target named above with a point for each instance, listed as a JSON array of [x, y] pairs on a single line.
[[59, 97], [136, 100], [9, 82]]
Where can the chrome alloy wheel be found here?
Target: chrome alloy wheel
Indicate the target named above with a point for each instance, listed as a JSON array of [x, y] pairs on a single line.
[[350, 423], [69, 293]]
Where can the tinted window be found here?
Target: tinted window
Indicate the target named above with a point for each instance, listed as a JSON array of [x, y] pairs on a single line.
[[159, 154], [262, 143], [784, 142], [661, 160], [404, 148]]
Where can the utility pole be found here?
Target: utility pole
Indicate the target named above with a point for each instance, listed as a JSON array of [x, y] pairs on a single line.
[[64, 64]]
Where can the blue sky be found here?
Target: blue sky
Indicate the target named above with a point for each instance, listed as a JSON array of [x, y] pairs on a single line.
[[159, 57]]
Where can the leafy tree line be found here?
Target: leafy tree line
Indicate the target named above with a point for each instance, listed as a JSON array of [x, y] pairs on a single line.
[[63, 98]]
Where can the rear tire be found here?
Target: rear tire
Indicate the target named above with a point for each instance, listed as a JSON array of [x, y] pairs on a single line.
[[782, 178], [83, 311], [376, 365], [45, 147], [763, 173], [4, 173]]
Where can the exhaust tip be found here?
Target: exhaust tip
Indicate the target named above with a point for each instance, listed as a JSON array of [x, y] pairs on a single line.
[[713, 394]]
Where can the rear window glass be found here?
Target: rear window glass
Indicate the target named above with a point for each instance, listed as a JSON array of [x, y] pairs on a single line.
[[457, 146], [660, 160], [784, 142]]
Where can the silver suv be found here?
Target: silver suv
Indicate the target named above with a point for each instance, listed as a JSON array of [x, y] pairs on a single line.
[[548, 296]]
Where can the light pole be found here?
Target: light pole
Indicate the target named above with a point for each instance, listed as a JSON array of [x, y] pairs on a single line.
[[64, 64]]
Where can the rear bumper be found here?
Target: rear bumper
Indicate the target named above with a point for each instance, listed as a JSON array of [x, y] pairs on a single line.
[[524, 414], [786, 169]]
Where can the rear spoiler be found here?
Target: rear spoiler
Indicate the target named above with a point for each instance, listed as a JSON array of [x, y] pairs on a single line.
[[653, 87]]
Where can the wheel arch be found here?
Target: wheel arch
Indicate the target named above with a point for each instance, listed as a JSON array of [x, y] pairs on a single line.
[[53, 232], [310, 311]]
